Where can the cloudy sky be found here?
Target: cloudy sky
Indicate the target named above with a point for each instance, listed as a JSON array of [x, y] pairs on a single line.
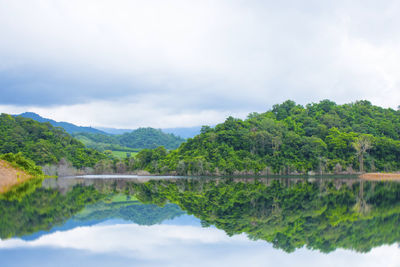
[[176, 63]]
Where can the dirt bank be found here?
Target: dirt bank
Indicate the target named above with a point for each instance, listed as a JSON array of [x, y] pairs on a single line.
[[10, 176], [381, 176]]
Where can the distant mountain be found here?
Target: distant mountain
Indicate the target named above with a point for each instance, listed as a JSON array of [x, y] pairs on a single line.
[[137, 139], [69, 127], [115, 130], [184, 132]]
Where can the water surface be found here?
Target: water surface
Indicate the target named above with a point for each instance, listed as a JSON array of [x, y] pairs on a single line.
[[163, 221]]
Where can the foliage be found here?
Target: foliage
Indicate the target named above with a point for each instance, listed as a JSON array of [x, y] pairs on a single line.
[[289, 138], [123, 154], [149, 138], [43, 143]]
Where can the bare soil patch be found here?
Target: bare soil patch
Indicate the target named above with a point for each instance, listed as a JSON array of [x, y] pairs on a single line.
[[11, 176], [381, 176]]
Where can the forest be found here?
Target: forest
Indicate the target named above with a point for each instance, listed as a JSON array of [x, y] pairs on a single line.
[[319, 138], [288, 139], [43, 143]]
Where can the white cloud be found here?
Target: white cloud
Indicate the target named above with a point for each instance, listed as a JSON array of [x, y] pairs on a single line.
[[129, 113]]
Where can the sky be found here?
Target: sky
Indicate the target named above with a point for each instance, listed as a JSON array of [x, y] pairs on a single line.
[[182, 63]]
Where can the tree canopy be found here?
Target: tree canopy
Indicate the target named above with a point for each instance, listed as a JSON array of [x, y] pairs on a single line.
[[290, 138], [43, 143]]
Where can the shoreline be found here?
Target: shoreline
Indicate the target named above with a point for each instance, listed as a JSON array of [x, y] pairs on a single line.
[[380, 176], [11, 176]]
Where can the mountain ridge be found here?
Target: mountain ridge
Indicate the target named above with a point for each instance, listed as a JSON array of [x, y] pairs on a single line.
[[67, 126], [183, 132]]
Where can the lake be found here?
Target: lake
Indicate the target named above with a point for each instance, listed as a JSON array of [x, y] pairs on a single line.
[[230, 221]]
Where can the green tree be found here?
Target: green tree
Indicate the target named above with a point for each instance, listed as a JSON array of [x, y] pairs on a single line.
[[362, 145]]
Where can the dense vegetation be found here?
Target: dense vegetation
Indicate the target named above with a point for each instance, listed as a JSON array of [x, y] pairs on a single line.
[[289, 214], [133, 141], [43, 143], [290, 138]]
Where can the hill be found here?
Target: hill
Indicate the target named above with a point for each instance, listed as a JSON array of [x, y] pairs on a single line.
[[321, 137], [149, 138], [184, 132], [43, 143], [68, 127], [137, 139], [128, 141]]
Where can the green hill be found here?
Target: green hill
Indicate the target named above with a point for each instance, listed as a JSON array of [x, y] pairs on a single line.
[[43, 143], [149, 138], [289, 138], [138, 139]]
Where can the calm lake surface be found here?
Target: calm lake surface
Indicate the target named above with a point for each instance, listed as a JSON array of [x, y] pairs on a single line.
[[166, 221]]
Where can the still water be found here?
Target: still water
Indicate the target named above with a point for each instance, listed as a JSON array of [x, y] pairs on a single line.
[[129, 221]]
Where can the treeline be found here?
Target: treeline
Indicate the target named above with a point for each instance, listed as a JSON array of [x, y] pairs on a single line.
[[131, 142], [43, 143], [288, 139]]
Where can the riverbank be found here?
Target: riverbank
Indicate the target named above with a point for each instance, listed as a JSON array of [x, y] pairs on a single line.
[[11, 176], [381, 176]]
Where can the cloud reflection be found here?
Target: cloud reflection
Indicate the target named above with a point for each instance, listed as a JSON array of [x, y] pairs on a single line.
[[173, 245]]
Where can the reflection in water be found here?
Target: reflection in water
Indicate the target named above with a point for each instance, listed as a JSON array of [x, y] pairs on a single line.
[[289, 214]]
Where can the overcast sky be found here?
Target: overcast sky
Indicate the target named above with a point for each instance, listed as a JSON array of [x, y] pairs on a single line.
[[172, 63]]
